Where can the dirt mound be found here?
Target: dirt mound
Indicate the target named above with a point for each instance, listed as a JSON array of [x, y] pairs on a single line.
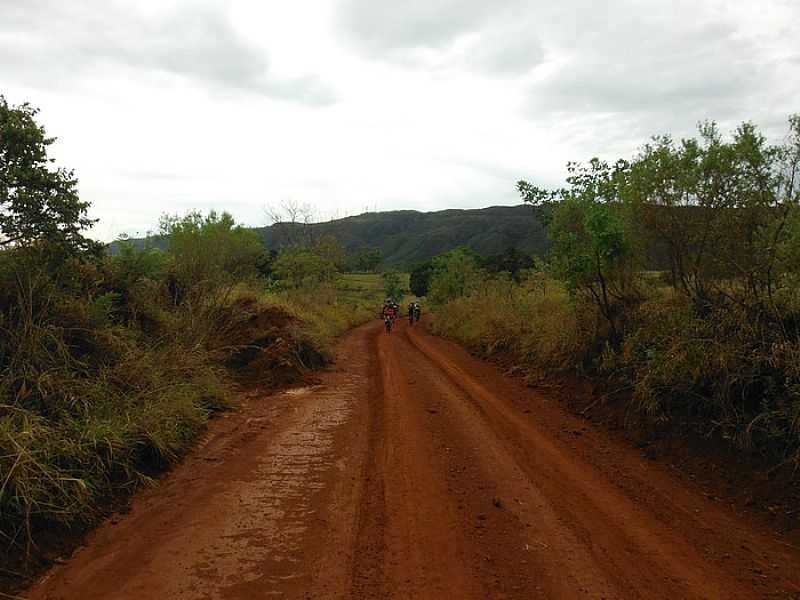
[[268, 347]]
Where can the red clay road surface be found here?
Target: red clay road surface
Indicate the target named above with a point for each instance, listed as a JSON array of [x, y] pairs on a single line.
[[416, 471]]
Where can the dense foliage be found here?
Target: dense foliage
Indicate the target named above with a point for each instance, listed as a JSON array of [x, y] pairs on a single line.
[[712, 340], [37, 202], [364, 260]]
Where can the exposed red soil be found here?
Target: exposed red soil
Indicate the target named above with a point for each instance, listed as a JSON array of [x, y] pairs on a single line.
[[758, 486], [268, 350], [265, 351], [414, 470]]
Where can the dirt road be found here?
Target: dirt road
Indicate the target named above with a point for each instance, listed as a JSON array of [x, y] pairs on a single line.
[[416, 471]]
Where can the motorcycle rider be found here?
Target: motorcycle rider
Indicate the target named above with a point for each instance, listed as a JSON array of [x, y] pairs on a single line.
[[389, 313]]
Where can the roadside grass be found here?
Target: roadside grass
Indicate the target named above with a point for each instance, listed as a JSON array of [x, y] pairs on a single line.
[[328, 310], [102, 391], [534, 320], [83, 421], [723, 374]]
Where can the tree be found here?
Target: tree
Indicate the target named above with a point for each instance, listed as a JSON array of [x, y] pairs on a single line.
[[211, 251], [37, 202], [420, 279], [591, 253], [455, 274], [511, 261], [594, 248], [328, 248], [721, 209], [292, 222], [301, 267], [365, 259], [392, 285]]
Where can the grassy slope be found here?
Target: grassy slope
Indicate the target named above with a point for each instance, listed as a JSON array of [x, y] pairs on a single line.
[[330, 310], [98, 425]]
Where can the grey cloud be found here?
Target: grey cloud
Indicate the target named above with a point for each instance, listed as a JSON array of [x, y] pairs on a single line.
[[639, 73], [42, 43], [652, 66], [382, 28], [395, 32], [509, 52], [650, 70]]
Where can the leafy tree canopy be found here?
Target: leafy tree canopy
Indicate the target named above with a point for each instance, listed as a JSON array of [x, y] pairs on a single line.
[[420, 279], [364, 259], [298, 266], [37, 201], [392, 285], [209, 250], [456, 273]]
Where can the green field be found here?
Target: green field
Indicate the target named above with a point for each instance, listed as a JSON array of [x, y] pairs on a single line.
[[365, 286]]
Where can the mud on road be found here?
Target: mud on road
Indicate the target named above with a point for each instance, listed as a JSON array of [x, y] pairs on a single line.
[[415, 471]]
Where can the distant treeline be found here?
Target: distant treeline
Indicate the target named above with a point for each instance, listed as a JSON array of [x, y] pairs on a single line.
[[512, 262]]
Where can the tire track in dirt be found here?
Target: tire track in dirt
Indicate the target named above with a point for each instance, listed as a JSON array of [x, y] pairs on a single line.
[[586, 538], [642, 553], [423, 548]]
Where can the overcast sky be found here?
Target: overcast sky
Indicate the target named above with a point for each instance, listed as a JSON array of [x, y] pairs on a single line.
[[168, 105]]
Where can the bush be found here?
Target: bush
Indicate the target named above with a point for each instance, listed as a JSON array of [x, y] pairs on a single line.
[[298, 267], [730, 372], [540, 325], [455, 274], [85, 406]]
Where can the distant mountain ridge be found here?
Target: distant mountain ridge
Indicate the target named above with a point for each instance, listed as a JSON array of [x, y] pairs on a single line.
[[407, 237]]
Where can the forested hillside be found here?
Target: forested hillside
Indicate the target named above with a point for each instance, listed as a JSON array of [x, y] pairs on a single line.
[[407, 237]]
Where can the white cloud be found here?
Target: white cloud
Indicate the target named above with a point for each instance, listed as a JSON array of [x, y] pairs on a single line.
[[167, 105], [50, 43]]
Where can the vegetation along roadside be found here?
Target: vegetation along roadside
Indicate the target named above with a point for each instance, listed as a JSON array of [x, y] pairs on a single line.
[[111, 365], [671, 285]]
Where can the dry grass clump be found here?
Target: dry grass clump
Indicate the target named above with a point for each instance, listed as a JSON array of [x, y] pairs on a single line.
[[107, 375], [732, 372], [329, 309], [529, 319], [88, 405]]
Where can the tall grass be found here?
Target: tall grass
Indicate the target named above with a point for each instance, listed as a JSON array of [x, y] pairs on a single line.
[[533, 320], [731, 372], [106, 378], [88, 406], [329, 309]]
